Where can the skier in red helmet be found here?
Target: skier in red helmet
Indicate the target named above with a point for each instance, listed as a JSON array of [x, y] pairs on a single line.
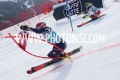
[[41, 28]]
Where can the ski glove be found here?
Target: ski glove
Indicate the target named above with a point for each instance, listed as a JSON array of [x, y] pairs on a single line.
[[86, 16], [85, 12], [24, 27]]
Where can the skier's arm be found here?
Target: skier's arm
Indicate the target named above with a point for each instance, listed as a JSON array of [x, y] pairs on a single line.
[[37, 30], [25, 27], [89, 12]]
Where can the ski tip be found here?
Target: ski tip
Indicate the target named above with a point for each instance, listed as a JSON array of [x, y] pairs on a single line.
[[32, 68], [79, 26], [80, 47], [29, 72], [104, 14]]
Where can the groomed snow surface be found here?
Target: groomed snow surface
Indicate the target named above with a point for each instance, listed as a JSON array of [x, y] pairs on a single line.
[[96, 61]]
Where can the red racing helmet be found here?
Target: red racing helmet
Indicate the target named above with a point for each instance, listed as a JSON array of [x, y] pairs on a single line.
[[40, 25]]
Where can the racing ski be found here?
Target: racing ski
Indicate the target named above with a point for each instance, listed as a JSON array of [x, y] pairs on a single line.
[[84, 23], [41, 66]]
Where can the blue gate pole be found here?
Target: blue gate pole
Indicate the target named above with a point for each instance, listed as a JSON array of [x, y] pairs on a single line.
[[68, 7]]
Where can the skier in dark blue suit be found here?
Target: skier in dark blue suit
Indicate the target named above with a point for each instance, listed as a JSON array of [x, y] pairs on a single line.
[[51, 37]]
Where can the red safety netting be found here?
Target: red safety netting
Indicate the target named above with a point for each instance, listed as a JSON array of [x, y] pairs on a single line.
[[25, 16]]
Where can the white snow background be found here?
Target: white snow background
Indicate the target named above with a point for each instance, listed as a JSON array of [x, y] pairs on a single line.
[[96, 61]]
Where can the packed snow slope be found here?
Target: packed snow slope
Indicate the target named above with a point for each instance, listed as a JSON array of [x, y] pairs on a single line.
[[96, 61]]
